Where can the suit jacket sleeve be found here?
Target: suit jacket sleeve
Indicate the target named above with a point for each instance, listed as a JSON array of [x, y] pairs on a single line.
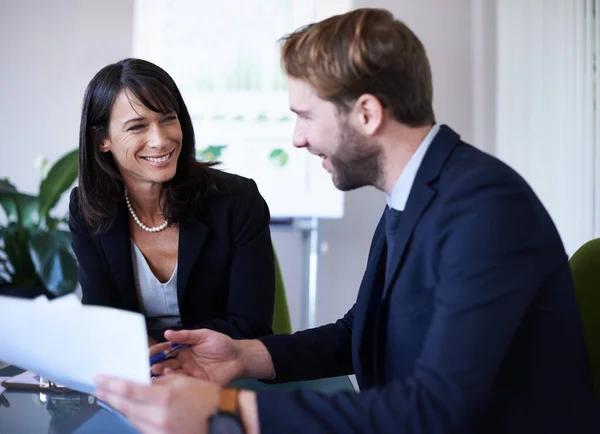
[[97, 284], [492, 258], [310, 354], [252, 274]]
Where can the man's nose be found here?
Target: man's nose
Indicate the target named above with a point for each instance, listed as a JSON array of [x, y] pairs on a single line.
[[299, 139]]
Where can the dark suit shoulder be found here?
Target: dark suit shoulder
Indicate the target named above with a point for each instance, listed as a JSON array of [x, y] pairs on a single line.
[[484, 188], [234, 190], [469, 167]]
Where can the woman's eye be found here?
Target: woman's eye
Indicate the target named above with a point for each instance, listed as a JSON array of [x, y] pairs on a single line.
[[135, 127], [170, 118]]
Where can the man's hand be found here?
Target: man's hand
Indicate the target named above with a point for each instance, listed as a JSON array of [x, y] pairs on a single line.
[[209, 355], [171, 404], [215, 357]]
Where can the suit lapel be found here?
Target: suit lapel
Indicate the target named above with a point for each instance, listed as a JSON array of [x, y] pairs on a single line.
[[117, 248], [192, 236], [419, 200], [421, 195]]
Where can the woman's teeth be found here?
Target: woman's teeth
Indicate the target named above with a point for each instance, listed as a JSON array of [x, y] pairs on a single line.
[[158, 160]]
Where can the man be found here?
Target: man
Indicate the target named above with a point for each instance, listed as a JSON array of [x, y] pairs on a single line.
[[465, 321]]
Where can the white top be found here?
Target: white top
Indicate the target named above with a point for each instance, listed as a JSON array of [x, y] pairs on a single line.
[[158, 301], [399, 196]]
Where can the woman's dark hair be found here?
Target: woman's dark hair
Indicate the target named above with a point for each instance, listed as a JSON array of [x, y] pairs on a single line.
[[101, 189]]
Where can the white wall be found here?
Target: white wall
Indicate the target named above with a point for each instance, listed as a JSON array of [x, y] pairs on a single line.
[[50, 50], [445, 28], [548, 114], [484, 61]]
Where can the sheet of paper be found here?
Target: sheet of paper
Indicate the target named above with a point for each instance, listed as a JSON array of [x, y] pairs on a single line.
[[26, 377], [70, 343]]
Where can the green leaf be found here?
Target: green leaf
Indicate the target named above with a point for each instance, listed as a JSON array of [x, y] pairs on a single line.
[[5, 268], [7, 202], [15, 247], [60, 177], [54, 223], [19, 207], [6, 186], [64, 237], [8, 205], [53, 261]]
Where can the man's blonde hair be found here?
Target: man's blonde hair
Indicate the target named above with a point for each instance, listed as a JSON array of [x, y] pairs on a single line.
[[363, 51]]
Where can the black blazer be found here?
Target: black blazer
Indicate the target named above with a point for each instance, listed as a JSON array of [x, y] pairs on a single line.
[[226, 276], [475, 329]]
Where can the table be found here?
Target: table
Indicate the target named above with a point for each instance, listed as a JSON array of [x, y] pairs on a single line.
[[33, 412]]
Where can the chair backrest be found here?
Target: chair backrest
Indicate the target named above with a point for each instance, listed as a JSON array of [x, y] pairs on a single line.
[[585, 267], [281, 314]]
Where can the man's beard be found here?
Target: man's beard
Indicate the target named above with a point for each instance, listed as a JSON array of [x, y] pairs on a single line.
[[357, 160]]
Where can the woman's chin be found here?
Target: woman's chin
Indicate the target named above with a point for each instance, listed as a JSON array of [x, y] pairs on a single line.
[[161, 178]]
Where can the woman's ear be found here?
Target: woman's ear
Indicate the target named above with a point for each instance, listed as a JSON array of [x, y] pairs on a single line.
[[105, 146], [105, 143]]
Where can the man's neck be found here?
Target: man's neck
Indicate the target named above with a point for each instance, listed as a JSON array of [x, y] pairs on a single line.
[[399, 143]]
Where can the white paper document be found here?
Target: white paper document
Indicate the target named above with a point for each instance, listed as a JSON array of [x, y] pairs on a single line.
[[70, 343]]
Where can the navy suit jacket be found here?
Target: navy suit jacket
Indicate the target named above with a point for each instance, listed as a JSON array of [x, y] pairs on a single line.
[[226, 274], [475, 331]]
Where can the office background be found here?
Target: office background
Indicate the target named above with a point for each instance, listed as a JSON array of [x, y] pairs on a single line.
[[49, 50]]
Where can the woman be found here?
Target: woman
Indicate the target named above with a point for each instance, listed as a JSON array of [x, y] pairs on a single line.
[[154, 230]]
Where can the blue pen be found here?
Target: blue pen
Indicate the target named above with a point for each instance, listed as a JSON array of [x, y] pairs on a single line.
[[161, 357]]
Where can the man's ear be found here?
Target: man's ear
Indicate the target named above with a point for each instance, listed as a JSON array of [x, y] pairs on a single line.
[[368, 113]]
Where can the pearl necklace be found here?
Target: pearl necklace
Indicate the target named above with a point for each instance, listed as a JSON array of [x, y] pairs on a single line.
[[137, 220]]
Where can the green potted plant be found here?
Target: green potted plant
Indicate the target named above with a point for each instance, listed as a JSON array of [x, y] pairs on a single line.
[[35, 246]]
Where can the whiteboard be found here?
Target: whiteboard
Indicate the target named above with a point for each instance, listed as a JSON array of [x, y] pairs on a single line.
[[224, 58]]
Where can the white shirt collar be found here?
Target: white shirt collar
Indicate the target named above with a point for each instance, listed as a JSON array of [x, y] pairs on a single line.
[[399, 196]]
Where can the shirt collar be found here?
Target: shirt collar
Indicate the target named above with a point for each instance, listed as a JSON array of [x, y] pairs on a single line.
[[399, 196]]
